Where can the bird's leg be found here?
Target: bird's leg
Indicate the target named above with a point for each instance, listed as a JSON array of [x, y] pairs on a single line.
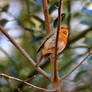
[[39, 61]]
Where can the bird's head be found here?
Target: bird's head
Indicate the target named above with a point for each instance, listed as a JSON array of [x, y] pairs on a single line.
[[64, 31]]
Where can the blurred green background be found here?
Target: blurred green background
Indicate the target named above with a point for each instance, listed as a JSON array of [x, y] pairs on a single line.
[[24, 21]]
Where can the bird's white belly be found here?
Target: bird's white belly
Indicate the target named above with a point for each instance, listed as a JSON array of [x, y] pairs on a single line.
[[61, 46]]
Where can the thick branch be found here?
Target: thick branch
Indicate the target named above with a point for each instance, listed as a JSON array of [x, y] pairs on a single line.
[[54, 77], [29, 84], [30, 60], [46, 15], [56, 43], [53, 57]]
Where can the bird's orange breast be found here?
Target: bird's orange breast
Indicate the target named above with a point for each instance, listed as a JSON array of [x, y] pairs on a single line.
[[62, 38]]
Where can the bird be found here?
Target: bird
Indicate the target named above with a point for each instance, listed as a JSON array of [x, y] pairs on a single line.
[[48, 45]]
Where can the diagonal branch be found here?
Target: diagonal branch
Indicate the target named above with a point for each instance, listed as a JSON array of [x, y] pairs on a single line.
[[46, 15], [75, 67], [30, 60], [29, 84]]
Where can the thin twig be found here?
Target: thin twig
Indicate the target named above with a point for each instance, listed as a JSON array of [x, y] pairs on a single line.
[[46, 15], [30, 60], [29, 84], [75, 67]]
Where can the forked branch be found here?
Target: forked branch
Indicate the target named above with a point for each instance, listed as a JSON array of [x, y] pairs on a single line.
[[29, 59]]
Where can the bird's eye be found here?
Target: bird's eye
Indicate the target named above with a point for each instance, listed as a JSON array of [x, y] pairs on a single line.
[[65, 32], [62, 27]]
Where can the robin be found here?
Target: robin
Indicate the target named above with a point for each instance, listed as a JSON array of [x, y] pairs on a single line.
[[48, 45]]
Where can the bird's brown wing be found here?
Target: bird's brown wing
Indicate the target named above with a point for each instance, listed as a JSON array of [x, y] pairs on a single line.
[[42, 44]]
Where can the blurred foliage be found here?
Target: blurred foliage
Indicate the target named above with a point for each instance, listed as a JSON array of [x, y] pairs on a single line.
[[3, 22], [5, 8], [31, 21], [55, 22]]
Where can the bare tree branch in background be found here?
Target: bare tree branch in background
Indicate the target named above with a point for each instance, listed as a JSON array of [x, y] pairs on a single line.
[[46, 16]]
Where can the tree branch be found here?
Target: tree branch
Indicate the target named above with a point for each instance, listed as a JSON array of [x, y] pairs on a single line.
[[54, 56], [46, 15], [75, 67], [56, 42], [30, 60], [29, 84]]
